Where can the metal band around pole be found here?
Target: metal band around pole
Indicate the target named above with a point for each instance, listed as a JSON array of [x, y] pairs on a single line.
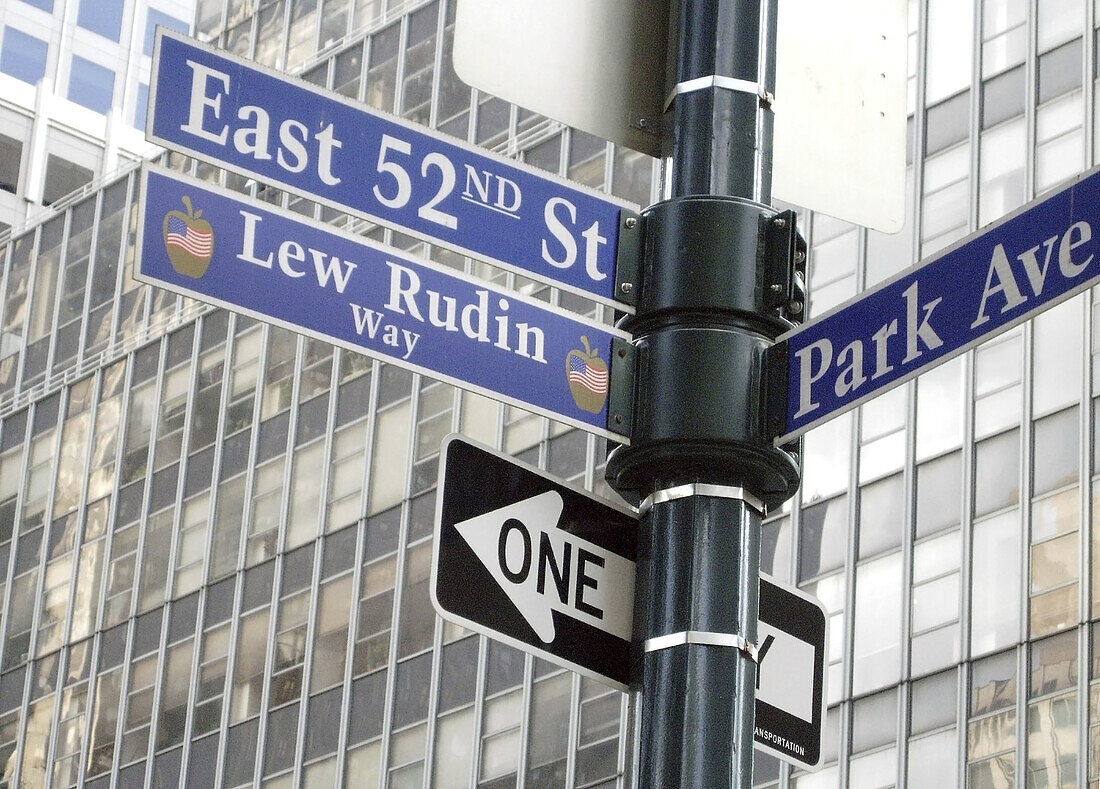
[[726, 83], [700, 489], [703, 638]]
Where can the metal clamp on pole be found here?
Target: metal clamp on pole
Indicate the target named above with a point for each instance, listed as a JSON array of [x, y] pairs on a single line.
[[706, 639], [725, 83], [700, 489]]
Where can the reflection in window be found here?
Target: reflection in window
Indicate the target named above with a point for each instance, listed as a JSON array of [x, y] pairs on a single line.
[[11, 155], [454, 95], [876, 659], [995, 582], [947, 123], [382, 72], [62, 177], [997, 473], [824, 538], [548, 737], [101, 16], [419, 72], [1003, 97], [23, 56], [269, 34], [945, 207], [153, 18], [934, 623], [1057, 353], [950, 48], [1002, 170], [933, 748], [998, 370], [991, 731], [302, 34], [1052, 712], [939, 494]]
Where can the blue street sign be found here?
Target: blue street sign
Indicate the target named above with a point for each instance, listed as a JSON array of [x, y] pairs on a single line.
[[984, 285], [281, 130], [247, 256]]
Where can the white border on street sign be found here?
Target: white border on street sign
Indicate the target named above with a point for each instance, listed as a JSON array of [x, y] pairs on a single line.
[[146, 167], [956, 352], [415, 128]]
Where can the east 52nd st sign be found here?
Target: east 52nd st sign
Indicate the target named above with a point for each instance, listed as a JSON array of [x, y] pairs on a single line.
[[281, 130]]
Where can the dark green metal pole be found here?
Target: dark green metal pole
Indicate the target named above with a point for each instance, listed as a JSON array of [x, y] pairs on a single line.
[[719, 282]]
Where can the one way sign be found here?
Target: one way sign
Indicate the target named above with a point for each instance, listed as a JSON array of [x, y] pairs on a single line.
[[534, 562], [548, 568]]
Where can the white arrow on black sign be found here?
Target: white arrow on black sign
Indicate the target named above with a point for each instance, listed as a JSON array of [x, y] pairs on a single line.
[[534, 562], [547, 567], [543, 568]]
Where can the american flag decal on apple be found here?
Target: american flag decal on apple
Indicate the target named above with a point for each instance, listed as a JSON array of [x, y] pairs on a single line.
[[188, 240], [587, 376]]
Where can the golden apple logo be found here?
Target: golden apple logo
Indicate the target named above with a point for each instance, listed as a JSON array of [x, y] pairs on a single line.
[[189, 241], [587, 376]]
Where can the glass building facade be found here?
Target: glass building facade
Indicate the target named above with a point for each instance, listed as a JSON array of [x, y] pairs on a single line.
[[215, 535]]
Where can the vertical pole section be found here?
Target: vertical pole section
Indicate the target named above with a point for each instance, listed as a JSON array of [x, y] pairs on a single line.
[[722, 135], [701, 560], [701, 459]]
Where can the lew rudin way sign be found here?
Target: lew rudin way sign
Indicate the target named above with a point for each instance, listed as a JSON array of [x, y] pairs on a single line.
[[548, 568], [250, 257], [993, 280]]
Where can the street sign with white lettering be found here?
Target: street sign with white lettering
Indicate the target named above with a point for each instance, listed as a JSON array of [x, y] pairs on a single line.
[[989, 282], [245, 255], [553, 568], [282, 130]]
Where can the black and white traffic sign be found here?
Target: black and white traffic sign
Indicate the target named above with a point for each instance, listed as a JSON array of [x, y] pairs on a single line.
[[534, 562], [790, 679], [547, 567]]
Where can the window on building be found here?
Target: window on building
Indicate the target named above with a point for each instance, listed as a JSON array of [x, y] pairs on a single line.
[[1052, 712], [23, 56], [101, 16], [11, 153], [141, 105], [933, 746], [91, 85], [153, 18], [62, 177], [45, 5], [991, 731], [874, 746]]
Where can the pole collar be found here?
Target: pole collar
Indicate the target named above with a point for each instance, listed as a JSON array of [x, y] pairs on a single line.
[[700, 489], [703, 638], [726, 83]]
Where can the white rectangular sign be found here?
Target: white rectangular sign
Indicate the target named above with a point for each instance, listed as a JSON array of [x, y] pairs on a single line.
[[840, 93]]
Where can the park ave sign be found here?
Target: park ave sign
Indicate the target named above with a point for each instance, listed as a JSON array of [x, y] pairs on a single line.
[[991, 281]]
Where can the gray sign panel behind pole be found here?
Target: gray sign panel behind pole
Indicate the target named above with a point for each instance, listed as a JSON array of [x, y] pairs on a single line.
[[599, 65]]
